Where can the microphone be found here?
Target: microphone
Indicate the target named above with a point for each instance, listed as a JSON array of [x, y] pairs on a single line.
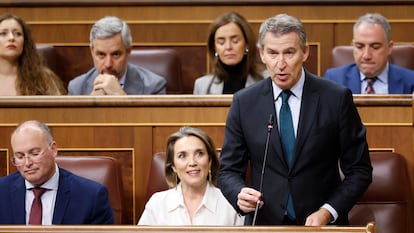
[[269, 130]]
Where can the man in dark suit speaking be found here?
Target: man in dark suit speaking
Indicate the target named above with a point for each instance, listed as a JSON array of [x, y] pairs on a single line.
[[41, 193], [317, 132]]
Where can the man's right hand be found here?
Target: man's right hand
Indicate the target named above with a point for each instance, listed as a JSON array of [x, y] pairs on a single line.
[[248, 198], [107, 84]]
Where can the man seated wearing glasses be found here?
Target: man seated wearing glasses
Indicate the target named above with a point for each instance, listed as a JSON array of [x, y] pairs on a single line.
[[41, 192]]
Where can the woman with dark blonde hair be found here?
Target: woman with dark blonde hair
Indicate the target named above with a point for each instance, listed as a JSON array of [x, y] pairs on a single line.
[[233, 52], [22, 69], [191, 170]]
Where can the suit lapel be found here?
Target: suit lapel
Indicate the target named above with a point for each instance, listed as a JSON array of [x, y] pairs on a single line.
[[395, 84], [275, 147], [62, 197], [18, 197], [308, 113], [353, 80], [133, 83], [89, 82]]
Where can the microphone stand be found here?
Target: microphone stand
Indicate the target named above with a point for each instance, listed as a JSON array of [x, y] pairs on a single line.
[[269, 130]]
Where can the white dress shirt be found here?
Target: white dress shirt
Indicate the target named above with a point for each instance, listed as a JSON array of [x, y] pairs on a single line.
[[295, 101], [380, 85], [48, 198], [168, 208]]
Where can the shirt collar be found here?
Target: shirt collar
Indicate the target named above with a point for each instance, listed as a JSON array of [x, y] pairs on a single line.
[[296, 90], [209, 199]]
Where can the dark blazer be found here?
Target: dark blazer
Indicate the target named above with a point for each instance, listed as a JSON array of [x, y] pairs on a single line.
[[400, 80], [329, 130], [78, 200], [138, 81]]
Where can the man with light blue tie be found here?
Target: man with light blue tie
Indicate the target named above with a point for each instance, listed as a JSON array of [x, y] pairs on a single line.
[[373, 44], [316, 127]]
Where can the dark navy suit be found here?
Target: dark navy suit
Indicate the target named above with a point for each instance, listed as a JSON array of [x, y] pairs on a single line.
[[329, 130], [400, 80], [78, 201]]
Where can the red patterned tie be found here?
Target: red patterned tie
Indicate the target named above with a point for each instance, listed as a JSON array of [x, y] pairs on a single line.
[[36, 210], [370, 85]]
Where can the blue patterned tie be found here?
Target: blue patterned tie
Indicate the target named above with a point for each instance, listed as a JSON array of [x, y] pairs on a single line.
[[287, 137]]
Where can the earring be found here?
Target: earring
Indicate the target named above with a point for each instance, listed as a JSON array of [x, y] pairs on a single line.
[[246, 51], [216, 54], [209, 176]]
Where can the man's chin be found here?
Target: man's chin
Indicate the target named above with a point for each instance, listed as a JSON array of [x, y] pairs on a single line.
[[32, 178], [368, 70]]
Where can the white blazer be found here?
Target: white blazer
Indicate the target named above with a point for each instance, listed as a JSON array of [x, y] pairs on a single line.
[[209, 84]]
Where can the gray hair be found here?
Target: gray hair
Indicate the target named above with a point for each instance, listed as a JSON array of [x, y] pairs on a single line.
[[375, 18], [283, 24], [110, 26]]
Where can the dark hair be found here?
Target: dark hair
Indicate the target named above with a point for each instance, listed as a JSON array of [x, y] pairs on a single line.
[[34, 78], [187, 131], [251, 65]]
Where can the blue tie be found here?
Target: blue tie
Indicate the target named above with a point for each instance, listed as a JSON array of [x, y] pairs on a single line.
[[287, 137]]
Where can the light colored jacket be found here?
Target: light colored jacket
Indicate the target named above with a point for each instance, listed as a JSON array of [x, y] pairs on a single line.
[[209, 84], [138, 81]]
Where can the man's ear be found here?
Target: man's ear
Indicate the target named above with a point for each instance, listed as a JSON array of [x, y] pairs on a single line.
[[128, 51], [261, 53], [390, 47], [54, 148], [306, 53]]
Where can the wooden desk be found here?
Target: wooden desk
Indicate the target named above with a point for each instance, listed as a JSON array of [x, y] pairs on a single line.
[[370, 228], [133, 128]]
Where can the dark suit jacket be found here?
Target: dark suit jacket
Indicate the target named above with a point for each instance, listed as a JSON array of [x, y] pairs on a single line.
[[138, 81], [329, 130], [400, 80], [78, 201]]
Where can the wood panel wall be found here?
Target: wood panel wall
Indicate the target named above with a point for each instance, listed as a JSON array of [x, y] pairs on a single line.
[[133, 128], [183, 25]]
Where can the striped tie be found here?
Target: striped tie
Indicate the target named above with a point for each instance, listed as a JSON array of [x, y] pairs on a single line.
[[370, 85]]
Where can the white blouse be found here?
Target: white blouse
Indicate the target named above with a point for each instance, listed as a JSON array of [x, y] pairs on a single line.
[[167, 208]]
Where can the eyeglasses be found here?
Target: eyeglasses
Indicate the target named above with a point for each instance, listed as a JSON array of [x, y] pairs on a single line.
[[35, 156]]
